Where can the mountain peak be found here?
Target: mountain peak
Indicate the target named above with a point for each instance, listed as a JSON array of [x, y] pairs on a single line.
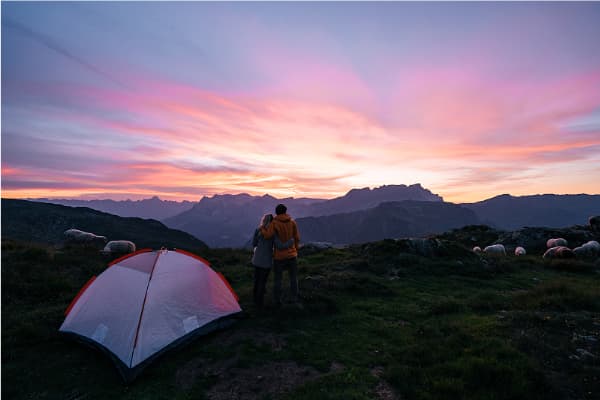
[[395, 192]]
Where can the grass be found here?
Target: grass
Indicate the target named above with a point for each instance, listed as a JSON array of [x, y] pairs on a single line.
[[442, 328]]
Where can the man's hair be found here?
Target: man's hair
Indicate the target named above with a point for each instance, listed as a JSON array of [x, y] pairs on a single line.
[[280, 209]]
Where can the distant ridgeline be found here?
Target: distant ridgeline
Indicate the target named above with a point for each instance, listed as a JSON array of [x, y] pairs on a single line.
[[547, 210], [230, 220], [153, 208], [360, 215], [45, 223]]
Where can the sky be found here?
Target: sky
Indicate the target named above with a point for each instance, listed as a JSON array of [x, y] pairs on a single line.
[[189, 99]]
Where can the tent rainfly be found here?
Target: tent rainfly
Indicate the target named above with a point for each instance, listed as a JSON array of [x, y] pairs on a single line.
[[148, 302]]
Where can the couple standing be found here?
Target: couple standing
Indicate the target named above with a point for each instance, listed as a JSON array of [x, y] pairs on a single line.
[[275, 244]]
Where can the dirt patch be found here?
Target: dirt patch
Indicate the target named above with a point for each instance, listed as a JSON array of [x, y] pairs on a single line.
[[272, 379], [257, 337], [199, 368], [274, 341], [377, 372], [383, 390], [336, 367]]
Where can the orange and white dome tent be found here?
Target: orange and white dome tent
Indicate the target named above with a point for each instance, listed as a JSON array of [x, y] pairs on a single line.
[[148, 302]]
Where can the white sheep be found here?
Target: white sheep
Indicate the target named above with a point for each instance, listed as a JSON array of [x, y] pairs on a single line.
[[82, 237], [119, 246], [476, 249], [495, 249], [589, 249], [556, 243], [559, 252], [520, 251]]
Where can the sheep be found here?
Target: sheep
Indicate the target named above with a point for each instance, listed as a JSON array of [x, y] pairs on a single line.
[[119, 247], [589, 249], [559, 252], [520, 251], [477, 249], [593, 244], [595, 223], [495, 249], [76, 236], [559, 242]]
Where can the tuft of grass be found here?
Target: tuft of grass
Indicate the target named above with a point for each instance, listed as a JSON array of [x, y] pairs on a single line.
[[487, 302], [447, 306], [481, 367], [573, 265], [562, 295]]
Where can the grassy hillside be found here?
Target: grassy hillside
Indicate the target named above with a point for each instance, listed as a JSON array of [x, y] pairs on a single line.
[[46, 223], [377, 323]]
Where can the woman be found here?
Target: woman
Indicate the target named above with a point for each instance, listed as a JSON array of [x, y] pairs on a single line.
[[263, 258]]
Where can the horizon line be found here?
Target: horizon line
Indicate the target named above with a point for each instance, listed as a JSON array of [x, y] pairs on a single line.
[[281, 198]]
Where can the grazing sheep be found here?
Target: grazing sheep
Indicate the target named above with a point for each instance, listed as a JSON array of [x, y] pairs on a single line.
[[76, 236], [589, 249], [559, 252], [520, 251], [476, 249], [119, 247], [495, 249], [595, 223], [558, 242], [593, 244]]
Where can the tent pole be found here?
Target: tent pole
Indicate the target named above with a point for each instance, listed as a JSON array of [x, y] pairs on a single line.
[[137, 331]]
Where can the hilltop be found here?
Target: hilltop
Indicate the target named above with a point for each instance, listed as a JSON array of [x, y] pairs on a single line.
[[46, 223]]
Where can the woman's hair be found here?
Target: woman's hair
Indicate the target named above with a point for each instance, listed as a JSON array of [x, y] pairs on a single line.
[[265, 220]]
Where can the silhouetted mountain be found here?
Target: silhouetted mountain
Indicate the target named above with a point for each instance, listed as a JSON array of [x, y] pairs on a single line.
[[153, 208], [361, 199], [46, 223], [548, 210], [387, 220], [229, 220]]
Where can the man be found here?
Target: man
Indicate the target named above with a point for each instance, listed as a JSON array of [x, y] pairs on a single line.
[[284, 228]]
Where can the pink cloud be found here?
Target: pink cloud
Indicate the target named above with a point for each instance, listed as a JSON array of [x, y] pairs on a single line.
[[181, 139]]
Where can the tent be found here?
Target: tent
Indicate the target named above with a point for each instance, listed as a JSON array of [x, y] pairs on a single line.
[[148, 302]]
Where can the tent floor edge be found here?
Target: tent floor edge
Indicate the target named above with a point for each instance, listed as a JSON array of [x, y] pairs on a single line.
[[87, 342], [131, 374], [213, 326]]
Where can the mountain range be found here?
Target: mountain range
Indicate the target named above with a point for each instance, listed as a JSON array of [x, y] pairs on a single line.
[[230, 220], [361, 214], [152, 208]]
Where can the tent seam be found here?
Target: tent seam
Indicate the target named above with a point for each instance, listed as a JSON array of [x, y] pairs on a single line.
[[137, 331]]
